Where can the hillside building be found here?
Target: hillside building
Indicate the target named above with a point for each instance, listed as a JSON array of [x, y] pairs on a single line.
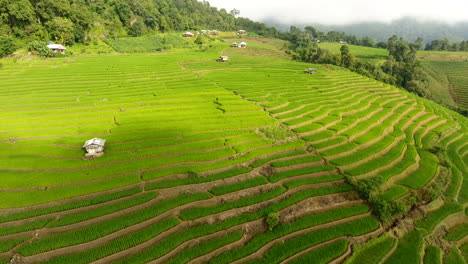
[[310, 71], [235, 45], [57, 48], [188, 35], [223, 59], [242, 32], [94, 147], [342, 41], [243, 45]]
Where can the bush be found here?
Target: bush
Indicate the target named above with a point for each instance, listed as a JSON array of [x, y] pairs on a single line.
[[385, 210], [369, 189], [138, 29], [272, 220], [40, 49], [7, 46]]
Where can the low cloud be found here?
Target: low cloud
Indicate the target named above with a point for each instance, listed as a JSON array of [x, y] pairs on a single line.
[[341, 12]]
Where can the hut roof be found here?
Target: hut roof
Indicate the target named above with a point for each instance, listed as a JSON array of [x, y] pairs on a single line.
[[56, 46], [95, 141]]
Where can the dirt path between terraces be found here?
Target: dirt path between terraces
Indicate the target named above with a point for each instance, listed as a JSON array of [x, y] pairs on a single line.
[[264, 249]]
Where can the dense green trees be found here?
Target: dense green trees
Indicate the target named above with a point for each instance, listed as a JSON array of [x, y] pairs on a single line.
[[400, 69], [61, 30], [445, 45], [272, 220], [347, 59], [7, 46], [82, 21], [368, 42]]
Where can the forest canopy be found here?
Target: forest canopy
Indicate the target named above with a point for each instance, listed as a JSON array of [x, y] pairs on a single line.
[[82, 21]]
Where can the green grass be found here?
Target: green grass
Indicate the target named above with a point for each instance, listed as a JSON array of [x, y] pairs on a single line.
[[365, 53], [82, 216], [285, 163], [101, 229], [151, 43], [455, 183], [117, 245], [457, 232], [323, 254], [37, 224], [8, 245], [69, 206], [197, 212], [408, 160], [220, 190], [464, 251], [435, 217], [178, 122], [394, 192], [34, 197], [297, 172], [260, 162], [452, 74], [378, 162], [206, 229], [432, 255], [303, 222], [408, 249], [427, 170], [327, 178], [294, 245], [277, 133], [205, 247], [453, 257], [197, 179], [372, 251]]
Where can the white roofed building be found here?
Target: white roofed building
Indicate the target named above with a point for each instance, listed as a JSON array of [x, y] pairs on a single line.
[[94, 147], [57, 48], [223, 59], [188, 34]]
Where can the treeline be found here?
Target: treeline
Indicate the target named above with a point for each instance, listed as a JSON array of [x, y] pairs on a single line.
[[446, 45], [82, 21], [335, 36], [332, 36], [400, 69]]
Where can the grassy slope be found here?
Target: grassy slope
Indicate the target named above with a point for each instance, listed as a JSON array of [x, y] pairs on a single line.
[[364, 53], [454, 75], [173, 113], [446, 70]]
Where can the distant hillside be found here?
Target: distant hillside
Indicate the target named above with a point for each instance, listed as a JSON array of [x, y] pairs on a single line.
[[408, 28]]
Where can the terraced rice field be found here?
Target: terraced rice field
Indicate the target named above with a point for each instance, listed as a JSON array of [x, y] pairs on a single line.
[[456, 73], [200, 153], [361, 52]]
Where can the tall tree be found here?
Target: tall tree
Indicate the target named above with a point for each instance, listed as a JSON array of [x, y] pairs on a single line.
[[368, 42], [347, 59], [234, 12], [61, 30]]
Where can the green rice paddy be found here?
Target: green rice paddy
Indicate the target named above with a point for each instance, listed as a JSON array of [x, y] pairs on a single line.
[[200, 153]]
